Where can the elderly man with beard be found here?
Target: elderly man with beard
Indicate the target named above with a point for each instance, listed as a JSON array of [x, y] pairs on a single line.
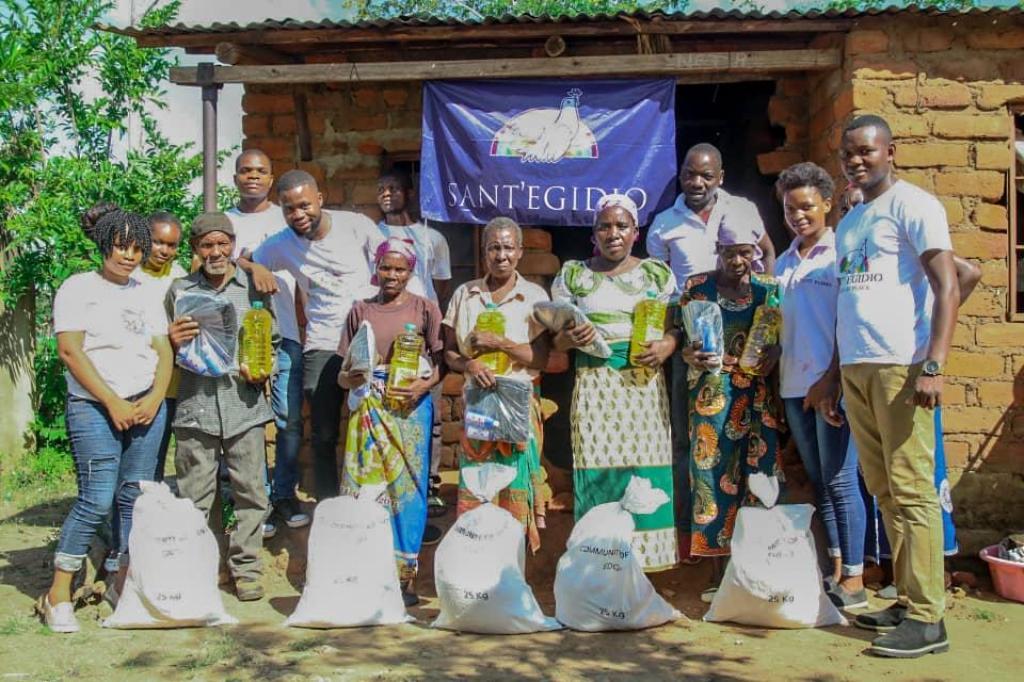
[[223, 415]]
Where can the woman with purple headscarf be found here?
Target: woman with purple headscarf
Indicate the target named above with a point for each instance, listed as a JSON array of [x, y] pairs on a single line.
[[734, 418], [387, 445]]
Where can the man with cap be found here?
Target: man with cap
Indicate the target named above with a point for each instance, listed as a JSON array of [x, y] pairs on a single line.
[[223, 414]]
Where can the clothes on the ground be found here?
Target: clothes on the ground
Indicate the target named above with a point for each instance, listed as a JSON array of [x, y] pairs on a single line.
[[332, 272], [471, 299], [687, 240], [286, 403], [251, 230], [119, 323], [809, 292], [392, 447], [884, 294], [619, 416], [109, 465], [876, 543], [196, 462], [734, 424], [433, 258], [228, 405], [896, 444]]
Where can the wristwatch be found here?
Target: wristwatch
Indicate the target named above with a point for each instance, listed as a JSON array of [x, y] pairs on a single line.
[[931, 368]]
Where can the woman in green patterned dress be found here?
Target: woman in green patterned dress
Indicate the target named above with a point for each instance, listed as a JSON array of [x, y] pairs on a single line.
[[620, 424], [734, 416]]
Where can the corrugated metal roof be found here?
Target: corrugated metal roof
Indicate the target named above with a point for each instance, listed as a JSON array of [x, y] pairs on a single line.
[[417, 21]]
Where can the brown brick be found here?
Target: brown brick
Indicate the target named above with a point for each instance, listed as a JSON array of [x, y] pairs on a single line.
[[395, 97], [907, 125], [361, 122], [1012, 69], [539, 263], [536, 238], [314, 169], [963, 335], [957, 452], [922, 179], [966, 126], [782, 110], [992, 155], [1009, 39], [277, 148], [452, 384], [996, 95], [954, 208], [866, 42], [994, 273], [972, 364], [773, 163], [990, 217], [364, 193], [267, 104], [999, 393], [928, 39], [971, 419], [451, 432], [255, 125], [985, 184], [949, 95], [977, 244], [283, 125], [1007, 334], [796, 132], [792, 86], [953, 394], [983, 302], [873, 68], [335, 192], [932, 154], [367, 97]]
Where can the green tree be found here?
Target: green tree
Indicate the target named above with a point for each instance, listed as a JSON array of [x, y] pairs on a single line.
[[68, 94], [469, 10]]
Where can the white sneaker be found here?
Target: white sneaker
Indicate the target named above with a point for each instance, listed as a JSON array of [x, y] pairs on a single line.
[[59, 618]]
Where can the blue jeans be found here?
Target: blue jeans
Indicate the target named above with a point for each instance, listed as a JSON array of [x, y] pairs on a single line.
[[165, 440], [830, 460], [286, 401], [109, 465]]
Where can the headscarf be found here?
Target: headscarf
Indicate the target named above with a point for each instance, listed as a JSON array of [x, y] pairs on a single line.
[[617, 201], [733, 230], [403, 247]]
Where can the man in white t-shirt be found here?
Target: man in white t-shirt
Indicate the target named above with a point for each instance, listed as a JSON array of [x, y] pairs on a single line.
[[329, 255], [897, 309], [256, 218], [685, 236], [431, 277]]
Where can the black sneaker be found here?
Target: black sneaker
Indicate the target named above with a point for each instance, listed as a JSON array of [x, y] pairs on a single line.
[[882, 621], [432, 535], [291, 513], [911, 639], [847, 600]]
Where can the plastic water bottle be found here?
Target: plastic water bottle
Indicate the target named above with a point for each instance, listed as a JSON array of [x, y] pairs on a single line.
[[648, 325], [257, 350], [764, 332], [493, 320], [405, 361]]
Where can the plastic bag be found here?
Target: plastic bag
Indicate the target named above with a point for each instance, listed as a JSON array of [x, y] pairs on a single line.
[[557, 315], [172, 578], [214, 352], [501, 413], [702, 321], [361, 357], [478, 567], [600, 583], [351, 574], [773, 579]]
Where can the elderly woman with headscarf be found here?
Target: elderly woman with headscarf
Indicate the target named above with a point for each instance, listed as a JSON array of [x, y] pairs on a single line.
[[388, 437], [620, 418], [525, 344], [734, 416]]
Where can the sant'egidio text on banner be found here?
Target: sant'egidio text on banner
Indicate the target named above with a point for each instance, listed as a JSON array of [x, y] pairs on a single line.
[[545, 151]]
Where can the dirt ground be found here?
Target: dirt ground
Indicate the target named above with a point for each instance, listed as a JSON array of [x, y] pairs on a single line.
[[986, 633]]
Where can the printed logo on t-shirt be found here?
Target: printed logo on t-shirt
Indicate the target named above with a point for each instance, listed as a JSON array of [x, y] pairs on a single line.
[[856, 261], [134, 321], [855, 269]]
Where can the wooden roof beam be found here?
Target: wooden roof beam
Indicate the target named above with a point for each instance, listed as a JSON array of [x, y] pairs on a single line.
[[236, 53], [504, 32]]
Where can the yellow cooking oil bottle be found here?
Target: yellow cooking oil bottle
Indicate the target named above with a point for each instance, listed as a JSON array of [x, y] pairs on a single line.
[[405, 361], [764, 332], [257, 349], [493, 320], [648, 325]]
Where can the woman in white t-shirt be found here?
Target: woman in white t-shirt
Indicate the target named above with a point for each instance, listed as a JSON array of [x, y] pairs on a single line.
[[113, 341]]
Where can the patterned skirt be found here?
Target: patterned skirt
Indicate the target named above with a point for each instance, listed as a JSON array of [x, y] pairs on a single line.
[[620, 429]]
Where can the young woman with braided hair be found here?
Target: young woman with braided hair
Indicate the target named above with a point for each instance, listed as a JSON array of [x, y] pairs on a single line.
[[114, 344]]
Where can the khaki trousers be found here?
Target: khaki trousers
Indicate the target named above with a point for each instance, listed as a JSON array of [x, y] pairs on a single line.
[[195, 461], [896, 445]]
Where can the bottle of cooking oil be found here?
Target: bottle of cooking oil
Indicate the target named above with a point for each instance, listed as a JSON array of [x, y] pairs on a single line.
[[405, 361], [493, 320], [648, 325], [257, 350], [764, 332]]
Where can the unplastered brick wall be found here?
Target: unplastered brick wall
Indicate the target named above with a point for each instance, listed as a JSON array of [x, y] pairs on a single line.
[[353, 130], [945, 85]]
